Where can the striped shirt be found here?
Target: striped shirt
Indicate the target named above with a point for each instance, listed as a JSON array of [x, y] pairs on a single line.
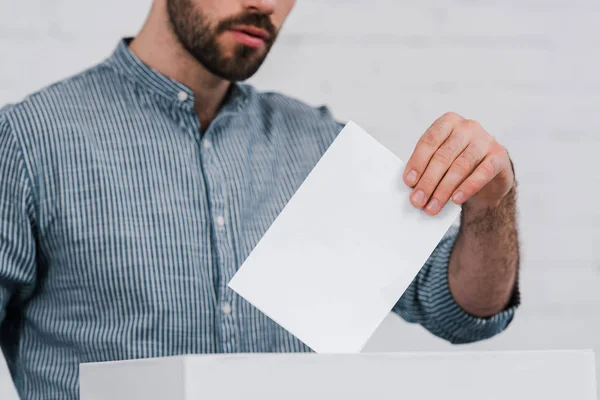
[[122, 220]]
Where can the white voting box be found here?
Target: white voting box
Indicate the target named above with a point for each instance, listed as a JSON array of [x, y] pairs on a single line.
[[551, 375]]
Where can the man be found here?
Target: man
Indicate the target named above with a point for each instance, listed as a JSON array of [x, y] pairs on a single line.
[[131, 193]]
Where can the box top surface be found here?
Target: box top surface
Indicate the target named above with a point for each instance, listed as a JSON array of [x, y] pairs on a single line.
[[551, 375]]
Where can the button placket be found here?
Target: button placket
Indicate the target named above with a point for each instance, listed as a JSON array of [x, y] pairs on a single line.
[[221, 243], [226, 308], [228, 320]]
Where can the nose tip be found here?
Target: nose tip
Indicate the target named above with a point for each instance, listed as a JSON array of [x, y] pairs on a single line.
[[262, 6]]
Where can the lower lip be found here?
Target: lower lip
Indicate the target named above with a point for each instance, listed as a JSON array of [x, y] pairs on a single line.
[[248, 40]]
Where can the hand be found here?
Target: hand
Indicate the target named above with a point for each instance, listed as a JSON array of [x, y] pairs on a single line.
[[457, 159]]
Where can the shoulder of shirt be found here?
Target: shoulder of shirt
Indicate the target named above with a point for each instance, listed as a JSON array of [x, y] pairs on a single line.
[[42, 103], [290, 106]]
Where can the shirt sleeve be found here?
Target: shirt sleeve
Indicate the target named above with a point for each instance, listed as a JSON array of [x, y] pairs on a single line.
[[17, 244], [428, 301]]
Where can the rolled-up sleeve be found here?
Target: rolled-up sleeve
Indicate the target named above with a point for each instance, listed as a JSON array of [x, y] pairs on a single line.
[[428, 302]]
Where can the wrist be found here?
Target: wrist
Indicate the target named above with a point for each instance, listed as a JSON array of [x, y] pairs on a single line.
[[476, 212]]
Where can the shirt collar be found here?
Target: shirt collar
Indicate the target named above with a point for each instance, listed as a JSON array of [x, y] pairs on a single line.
[[125, 62]]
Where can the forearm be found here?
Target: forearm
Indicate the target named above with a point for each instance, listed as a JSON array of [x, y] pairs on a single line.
[[484, 263], [467, 290]]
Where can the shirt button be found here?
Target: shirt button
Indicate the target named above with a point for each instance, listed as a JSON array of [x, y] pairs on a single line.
[[182, 96], [226, 308], [220, 220], [206, 143]]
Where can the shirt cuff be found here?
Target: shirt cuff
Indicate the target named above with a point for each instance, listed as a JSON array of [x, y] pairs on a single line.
[[446, 316]]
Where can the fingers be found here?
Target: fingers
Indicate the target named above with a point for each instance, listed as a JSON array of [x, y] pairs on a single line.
[[456, 158], [492, 165], [439, 165], [428, 145], [458, 172]]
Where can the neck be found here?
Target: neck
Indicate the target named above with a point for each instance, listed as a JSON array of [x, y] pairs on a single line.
[[157, 46]]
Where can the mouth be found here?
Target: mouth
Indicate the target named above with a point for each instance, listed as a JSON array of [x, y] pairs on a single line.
[[250, 36]]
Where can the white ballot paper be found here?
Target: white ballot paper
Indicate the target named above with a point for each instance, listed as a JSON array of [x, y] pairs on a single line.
[[344, 249]]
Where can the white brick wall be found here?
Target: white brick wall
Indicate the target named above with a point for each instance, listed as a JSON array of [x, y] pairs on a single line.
[[526, 69]]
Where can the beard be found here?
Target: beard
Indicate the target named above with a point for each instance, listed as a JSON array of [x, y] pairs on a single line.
[[199, 37]]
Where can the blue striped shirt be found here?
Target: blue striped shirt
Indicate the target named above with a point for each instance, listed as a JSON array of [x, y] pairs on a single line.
[[122, 221]]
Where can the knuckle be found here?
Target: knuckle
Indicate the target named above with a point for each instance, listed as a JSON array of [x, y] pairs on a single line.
[[427, 183], [429, 139], [490, 167], [443, 191], [451, 116], [497, 164], [469, 186], [443, 156], [470, 125], [487, 144], [463, 166], [472, 155], [454, 143], [499, 149]]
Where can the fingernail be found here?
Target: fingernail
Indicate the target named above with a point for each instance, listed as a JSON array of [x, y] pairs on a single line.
[[418, 197], [458, 197], [433, 205], [412, 176]]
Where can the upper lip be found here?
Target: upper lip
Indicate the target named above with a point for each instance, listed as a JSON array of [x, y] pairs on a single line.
[[251, 30]]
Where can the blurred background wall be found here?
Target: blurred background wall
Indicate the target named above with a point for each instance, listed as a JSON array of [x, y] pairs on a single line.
[[528, 70]]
